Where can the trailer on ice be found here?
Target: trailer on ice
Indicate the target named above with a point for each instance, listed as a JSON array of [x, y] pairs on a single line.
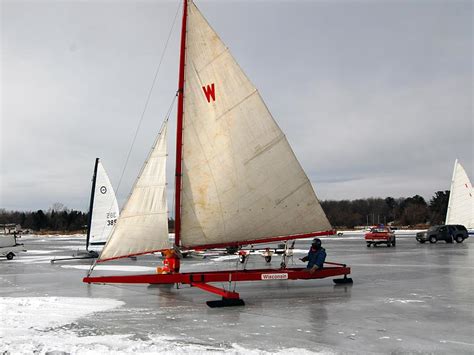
[[9, 246]]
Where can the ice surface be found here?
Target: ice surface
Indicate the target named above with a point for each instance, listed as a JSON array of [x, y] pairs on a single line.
[[402, 301]]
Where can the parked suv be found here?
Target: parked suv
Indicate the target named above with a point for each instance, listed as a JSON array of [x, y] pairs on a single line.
[[448, 233]]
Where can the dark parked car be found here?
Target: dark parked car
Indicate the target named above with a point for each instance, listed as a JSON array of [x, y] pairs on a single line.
[[448, 233]]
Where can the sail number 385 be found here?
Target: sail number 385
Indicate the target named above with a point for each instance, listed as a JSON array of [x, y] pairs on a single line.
[[111, 218]]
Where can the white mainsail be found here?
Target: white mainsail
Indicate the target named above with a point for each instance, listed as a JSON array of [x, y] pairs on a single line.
[[105, 210], [143, 223], [461, 199], [241, 180]]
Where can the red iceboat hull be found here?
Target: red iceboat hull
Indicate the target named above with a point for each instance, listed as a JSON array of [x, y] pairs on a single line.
[[229, 298]]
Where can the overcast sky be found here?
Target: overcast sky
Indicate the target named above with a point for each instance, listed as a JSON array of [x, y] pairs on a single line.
[[375, 97]]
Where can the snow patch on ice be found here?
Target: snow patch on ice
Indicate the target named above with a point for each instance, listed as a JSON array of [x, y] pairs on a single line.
[[455, 342], [64, 342], [24, 316], [52, 236], [42, 251], [25, 259], [393, 300], [225, 258], [125, 344], [300, 251], [237, 349], [36, 325], [76, 247]]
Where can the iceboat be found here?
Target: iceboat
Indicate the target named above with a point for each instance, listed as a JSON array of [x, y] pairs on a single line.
[[237, 180], [103, 214], [461, 199]]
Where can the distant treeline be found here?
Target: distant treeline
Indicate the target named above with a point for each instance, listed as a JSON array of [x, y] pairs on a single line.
[[57, 218], [409, 211]]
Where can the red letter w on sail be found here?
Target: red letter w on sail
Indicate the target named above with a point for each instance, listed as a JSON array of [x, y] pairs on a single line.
[[209, 92]]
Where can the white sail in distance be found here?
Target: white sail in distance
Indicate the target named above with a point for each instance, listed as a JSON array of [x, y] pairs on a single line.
[[461, 199], [241, 180], [143, 223], [105, 210]]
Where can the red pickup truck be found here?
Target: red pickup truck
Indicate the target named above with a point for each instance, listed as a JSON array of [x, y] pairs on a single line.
[[380, 235]]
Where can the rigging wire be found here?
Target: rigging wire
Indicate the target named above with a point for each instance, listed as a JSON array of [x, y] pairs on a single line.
[[170, 109], [147, 101], [165, 121]]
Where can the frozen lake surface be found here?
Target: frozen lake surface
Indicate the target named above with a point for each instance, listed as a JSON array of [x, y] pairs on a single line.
[[412, 298]]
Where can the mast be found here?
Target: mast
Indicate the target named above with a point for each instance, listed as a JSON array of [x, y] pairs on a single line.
[[179, 128], [91, 205]]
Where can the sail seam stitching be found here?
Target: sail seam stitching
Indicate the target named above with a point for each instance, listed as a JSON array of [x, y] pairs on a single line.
[[291, 193], [213, 60], [266, 148], [237, 104]]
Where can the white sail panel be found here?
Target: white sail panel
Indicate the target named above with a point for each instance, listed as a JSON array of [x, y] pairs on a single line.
[[461, 199], [105, 210], [241, 180], [143, 223]]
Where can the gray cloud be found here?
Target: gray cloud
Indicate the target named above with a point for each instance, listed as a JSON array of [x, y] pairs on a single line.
[[375, 97]]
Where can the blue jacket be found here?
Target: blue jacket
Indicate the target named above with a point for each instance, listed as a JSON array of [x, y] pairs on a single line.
[[315, 258]]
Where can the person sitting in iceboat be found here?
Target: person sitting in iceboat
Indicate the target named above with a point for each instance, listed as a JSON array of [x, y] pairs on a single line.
[[316, 256], [171, 263]]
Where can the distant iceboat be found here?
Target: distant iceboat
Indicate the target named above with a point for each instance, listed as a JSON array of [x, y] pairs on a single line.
[[103, 214], [103, 210], [461, 199]]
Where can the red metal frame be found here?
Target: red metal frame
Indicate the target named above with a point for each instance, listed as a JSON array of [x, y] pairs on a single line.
[[201, 279], [217, 290], [179, 127]]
